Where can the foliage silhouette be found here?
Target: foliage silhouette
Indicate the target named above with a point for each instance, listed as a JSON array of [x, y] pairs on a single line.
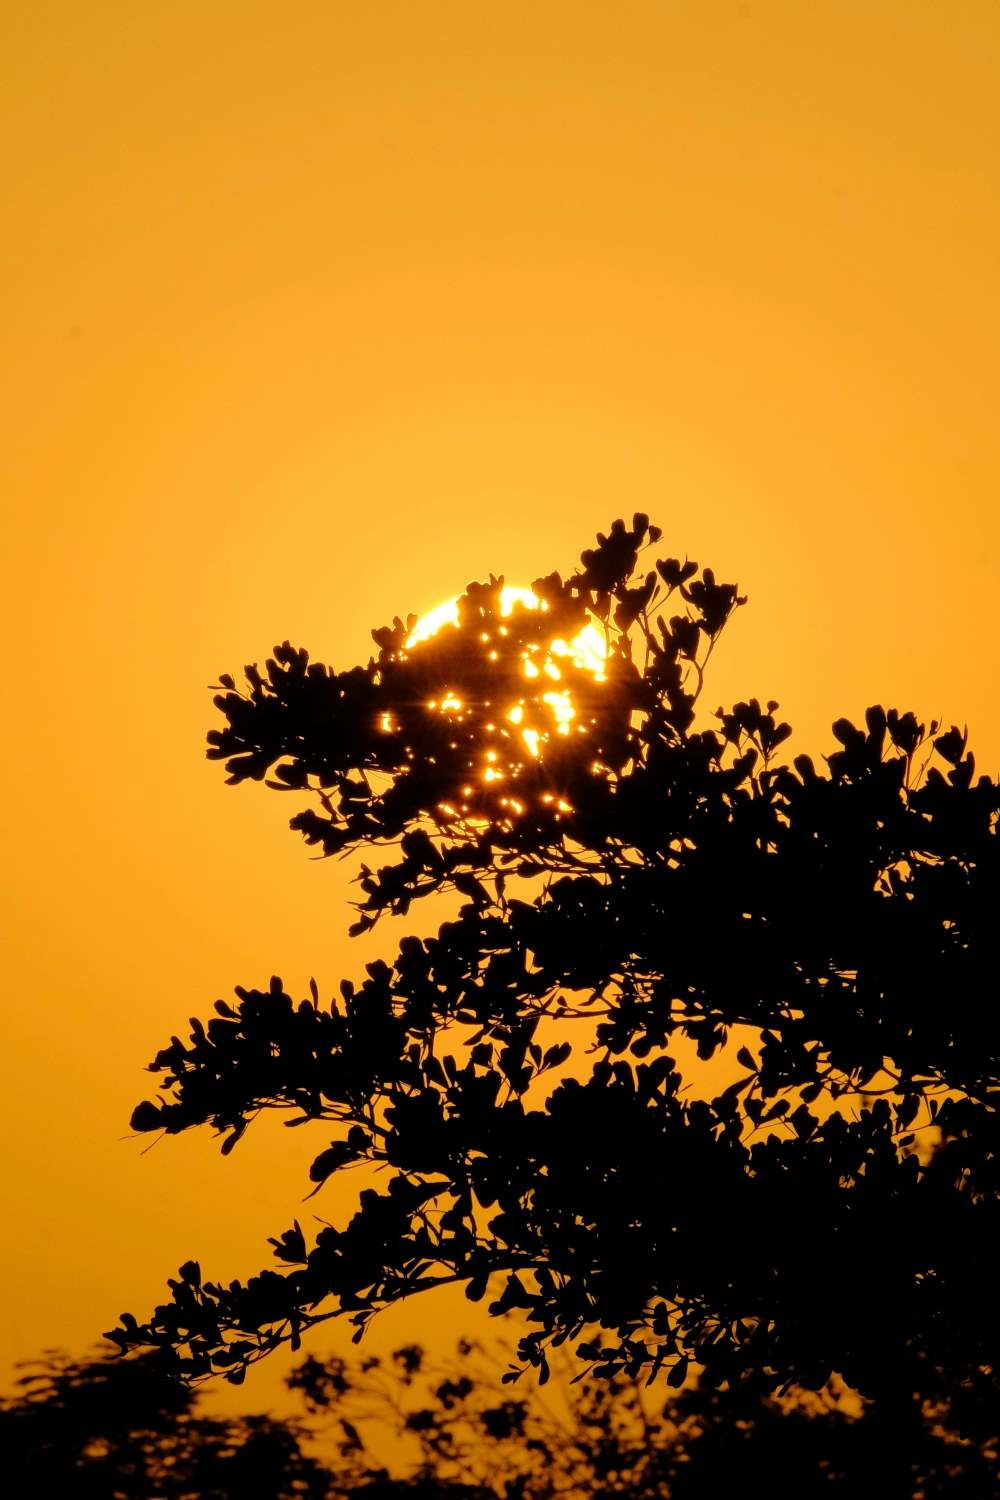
[[122, 1430], [523, 1074], [613, 1437]]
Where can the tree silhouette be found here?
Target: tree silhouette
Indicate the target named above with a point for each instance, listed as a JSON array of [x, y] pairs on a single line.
[[124, 1430], [613, 1437], [642, 891]]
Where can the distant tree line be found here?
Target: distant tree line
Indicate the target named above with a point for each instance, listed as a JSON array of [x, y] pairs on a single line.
[[123, 1430]]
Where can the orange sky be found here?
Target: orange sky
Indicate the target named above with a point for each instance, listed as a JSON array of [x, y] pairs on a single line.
[[314, 312]]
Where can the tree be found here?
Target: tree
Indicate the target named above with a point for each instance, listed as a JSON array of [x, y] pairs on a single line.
[[123, 1430], [613, 1437], [640, 884]]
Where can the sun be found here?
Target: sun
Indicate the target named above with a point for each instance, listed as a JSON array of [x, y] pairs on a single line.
[[531, 721], [588, 648]]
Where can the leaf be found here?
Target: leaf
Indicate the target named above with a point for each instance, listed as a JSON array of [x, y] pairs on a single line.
[[190, 1272], [908, 1109], [146, 1116]]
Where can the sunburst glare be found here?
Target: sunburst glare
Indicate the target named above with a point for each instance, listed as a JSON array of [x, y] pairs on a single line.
[[526, 723]]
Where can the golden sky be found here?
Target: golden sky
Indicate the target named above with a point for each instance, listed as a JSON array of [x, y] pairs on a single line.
[[312, 313]]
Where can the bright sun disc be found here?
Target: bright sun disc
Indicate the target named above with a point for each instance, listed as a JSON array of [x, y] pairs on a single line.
[[542, 667], [587, 649], [447, 613]]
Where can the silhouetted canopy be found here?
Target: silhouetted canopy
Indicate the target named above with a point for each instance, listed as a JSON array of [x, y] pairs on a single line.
[[644, 887]]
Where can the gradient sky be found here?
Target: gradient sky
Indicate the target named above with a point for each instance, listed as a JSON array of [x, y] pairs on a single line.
[[313, 313]]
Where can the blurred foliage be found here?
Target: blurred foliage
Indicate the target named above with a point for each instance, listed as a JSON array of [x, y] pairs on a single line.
[[619, 1437], [122, 1430], [642, 883]]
